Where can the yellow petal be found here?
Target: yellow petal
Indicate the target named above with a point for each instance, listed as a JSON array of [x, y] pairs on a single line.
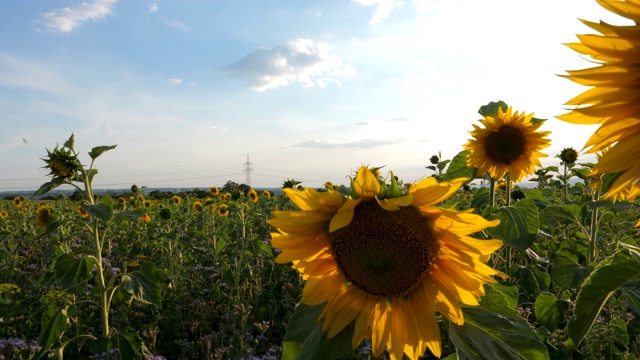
[[366, 184], [344, 215]]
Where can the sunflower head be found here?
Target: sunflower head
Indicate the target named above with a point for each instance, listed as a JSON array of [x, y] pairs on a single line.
[[4, 214], [62, 163], [197, 206], [507, 142], [145, 218], [434, 160], [17, 202], [82, 212], [223, 210], [253, 195], [214, 191], [176, 200], [266, 193], [386, 255], [43, 216], [122, 201], [568, 156]]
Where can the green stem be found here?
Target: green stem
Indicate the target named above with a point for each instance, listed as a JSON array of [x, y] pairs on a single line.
[[492, 192], [593, 236], [508, 191]]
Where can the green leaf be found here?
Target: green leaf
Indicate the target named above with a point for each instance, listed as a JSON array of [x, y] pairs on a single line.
[[489, 335], [500, 298], [491, 108], [567, 273], [480, 198], [518, 224], [631, 294], [53, 331], [130, 345], [100, 211], [46, 187], [532, 279], [563, 214], [71, 142], [607, 277], [72, 274], [617, 206], [144, 284], [304, 338], [538, 198], [98, 150], [458, 168], [550, 311]]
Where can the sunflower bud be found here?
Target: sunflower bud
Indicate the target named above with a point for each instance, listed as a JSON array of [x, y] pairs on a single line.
[[61, 163], [568, 155]]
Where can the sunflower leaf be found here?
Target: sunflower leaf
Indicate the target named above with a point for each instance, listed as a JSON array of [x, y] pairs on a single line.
[[490, 335], [458, 168], [492, 108], [98, 150], [550, 311], [518, 224], [610, 275], [305, 340]]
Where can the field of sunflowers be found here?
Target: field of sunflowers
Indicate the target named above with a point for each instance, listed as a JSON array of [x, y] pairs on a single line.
[[463, 264]]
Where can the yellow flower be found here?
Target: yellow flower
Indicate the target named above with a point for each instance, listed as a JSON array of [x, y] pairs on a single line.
[[214, 191], [4, 214], [82, 212], [176, 200], [43, 216], [612, 99], [329, 185], [253, 195], [197, 206], [223, 210], [211, 207], [145, 218], [386, 263], [122, 201], [24, 210], [266, 193], [17, 202], [508, 143], [225, 196]]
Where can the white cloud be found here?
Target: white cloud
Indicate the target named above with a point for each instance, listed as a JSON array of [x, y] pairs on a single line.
[[302, 61], [383, 8], [66, 19], [175, 81], [177, 24], [364, 143], [153, 8]]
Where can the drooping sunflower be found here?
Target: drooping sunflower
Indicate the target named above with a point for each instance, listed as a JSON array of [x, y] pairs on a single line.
[[253, 195], [223, 210], [387, 263], [197, 206], [82, 212], [214, 191], [613, 100], [507, 143], [43, 216], [176, 200]]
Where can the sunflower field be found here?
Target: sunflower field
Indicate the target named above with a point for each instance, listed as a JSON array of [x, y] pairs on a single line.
[[466, 263]]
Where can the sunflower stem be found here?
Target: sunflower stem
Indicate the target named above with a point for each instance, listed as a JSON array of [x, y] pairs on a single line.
[[593, 236], [492, 192], [508, 191]]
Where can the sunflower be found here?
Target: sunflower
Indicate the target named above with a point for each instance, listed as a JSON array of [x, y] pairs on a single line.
[[387, 263], [24, 210], [82, 212], [253, 195], [176, 200], [122, 201], [568, 156], [145, 218], [223, 210], [508, 143], [613, 99], [17, 202], [43, 216], [266, 193], [214, 191], [4, 214], [197, 206]]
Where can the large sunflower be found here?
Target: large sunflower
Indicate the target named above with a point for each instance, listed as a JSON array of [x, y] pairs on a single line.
[[613, 101], [386, 263], [508, 143]]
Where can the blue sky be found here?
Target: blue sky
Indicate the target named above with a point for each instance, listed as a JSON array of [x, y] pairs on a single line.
[[309, 90]]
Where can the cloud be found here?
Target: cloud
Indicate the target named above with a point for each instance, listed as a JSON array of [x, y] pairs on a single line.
[[301, 61], [401, 118], [177, 24], [153, 8], [175, 81], [364, 143], [66, 19], [383, 8]]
